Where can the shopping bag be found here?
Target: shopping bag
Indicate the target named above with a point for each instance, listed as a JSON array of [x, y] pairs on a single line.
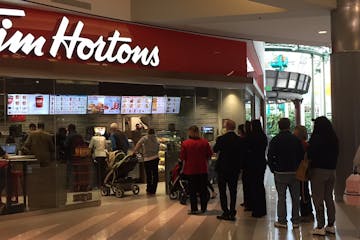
[[302, 172], [352, 190]]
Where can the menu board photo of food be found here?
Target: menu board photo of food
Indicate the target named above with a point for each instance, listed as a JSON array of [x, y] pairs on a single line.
[[68, 104], [28, 104], [103, 105], [159, 105], [173, 105], [136, 105]]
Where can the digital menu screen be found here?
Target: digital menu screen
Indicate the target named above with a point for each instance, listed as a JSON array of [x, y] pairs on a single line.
[[173, 104], [136, 105], [28, 104], [68, 104], [159, 105], [103, 105]]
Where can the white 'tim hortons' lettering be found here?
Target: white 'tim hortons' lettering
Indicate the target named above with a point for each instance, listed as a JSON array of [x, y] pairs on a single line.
[[113, 49]]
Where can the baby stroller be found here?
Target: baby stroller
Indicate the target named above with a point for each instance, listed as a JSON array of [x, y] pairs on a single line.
[[117, 180], [178, 186]]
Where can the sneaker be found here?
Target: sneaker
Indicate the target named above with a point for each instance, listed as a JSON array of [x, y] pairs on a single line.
[[318, 231], [330, 229], [280, 225], [296, 225]]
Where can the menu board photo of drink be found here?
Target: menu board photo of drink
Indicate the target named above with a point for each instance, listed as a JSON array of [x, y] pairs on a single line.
[[136, 105], [159, 105], [103, 105], [68, 104], [28, 104], [173, 105]]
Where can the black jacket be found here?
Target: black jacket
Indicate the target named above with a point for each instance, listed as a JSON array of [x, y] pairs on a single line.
[[285, 152], [323, 153], [256, 146], [230, 147]]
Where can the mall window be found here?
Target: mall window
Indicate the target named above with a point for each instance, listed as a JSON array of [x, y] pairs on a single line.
[[308, 60]]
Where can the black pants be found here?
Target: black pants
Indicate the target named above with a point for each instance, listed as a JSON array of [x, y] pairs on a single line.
[[198, 184], [305, 199], [152, 175], [246, 190], [101, 170], [257, 192], [231, 181]]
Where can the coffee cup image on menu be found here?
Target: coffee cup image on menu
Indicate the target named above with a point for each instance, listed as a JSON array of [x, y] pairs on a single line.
[[39, 101]]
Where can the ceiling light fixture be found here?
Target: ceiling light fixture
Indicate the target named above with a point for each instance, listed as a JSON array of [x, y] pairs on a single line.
[[322, 32]]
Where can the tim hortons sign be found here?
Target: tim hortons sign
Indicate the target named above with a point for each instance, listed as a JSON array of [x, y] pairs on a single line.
[[68, 38]]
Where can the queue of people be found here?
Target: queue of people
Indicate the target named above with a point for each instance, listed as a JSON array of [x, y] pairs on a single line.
[[285, 153], [245, 152]]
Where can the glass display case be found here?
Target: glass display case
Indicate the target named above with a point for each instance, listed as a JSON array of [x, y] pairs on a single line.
[[170, 145]]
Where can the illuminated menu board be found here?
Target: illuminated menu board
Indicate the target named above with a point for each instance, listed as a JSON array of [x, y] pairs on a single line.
[[68, 104], [173, 105], [158, 105], [103, 104], [136, 105], [28, 104]]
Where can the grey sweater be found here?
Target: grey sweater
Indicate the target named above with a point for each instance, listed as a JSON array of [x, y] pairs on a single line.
[[150, 146]]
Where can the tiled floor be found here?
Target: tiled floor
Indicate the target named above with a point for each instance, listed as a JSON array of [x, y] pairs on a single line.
[[143, 217]]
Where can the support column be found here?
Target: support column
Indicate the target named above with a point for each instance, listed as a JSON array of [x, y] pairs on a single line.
[[345, 75], [297, 104]]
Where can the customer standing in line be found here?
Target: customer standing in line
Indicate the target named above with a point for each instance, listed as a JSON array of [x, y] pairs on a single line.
[[228, 165], [98, 147], [150, 150], [256, 166], [118, 139], [245, 176], [305, 198], [72, 140], [41, 144], [195, 153], [284, 156], [323, 153]]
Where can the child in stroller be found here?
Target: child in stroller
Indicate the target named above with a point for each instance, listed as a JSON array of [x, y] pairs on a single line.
[[178, 185], [117, 180]]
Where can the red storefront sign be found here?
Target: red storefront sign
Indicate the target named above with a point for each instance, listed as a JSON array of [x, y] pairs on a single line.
[[27, 32]]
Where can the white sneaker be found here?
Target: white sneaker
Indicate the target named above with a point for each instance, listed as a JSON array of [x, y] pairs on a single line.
[[318, 231], [330, 229], [280, 225]]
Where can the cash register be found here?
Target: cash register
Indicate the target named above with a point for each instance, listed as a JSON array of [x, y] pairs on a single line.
[[10, 148]]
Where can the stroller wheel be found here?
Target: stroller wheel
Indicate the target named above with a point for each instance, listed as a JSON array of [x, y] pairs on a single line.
[[119, 192], [135, 189], [173, 195], [105, 191]]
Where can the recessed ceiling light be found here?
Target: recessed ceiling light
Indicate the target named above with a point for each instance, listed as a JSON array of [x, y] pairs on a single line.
[[322, 32]]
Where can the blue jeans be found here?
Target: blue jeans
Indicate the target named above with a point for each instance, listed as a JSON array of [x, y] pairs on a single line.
[[282, 182]]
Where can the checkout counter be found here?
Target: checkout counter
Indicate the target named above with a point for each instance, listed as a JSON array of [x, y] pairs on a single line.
[[13, 178]]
